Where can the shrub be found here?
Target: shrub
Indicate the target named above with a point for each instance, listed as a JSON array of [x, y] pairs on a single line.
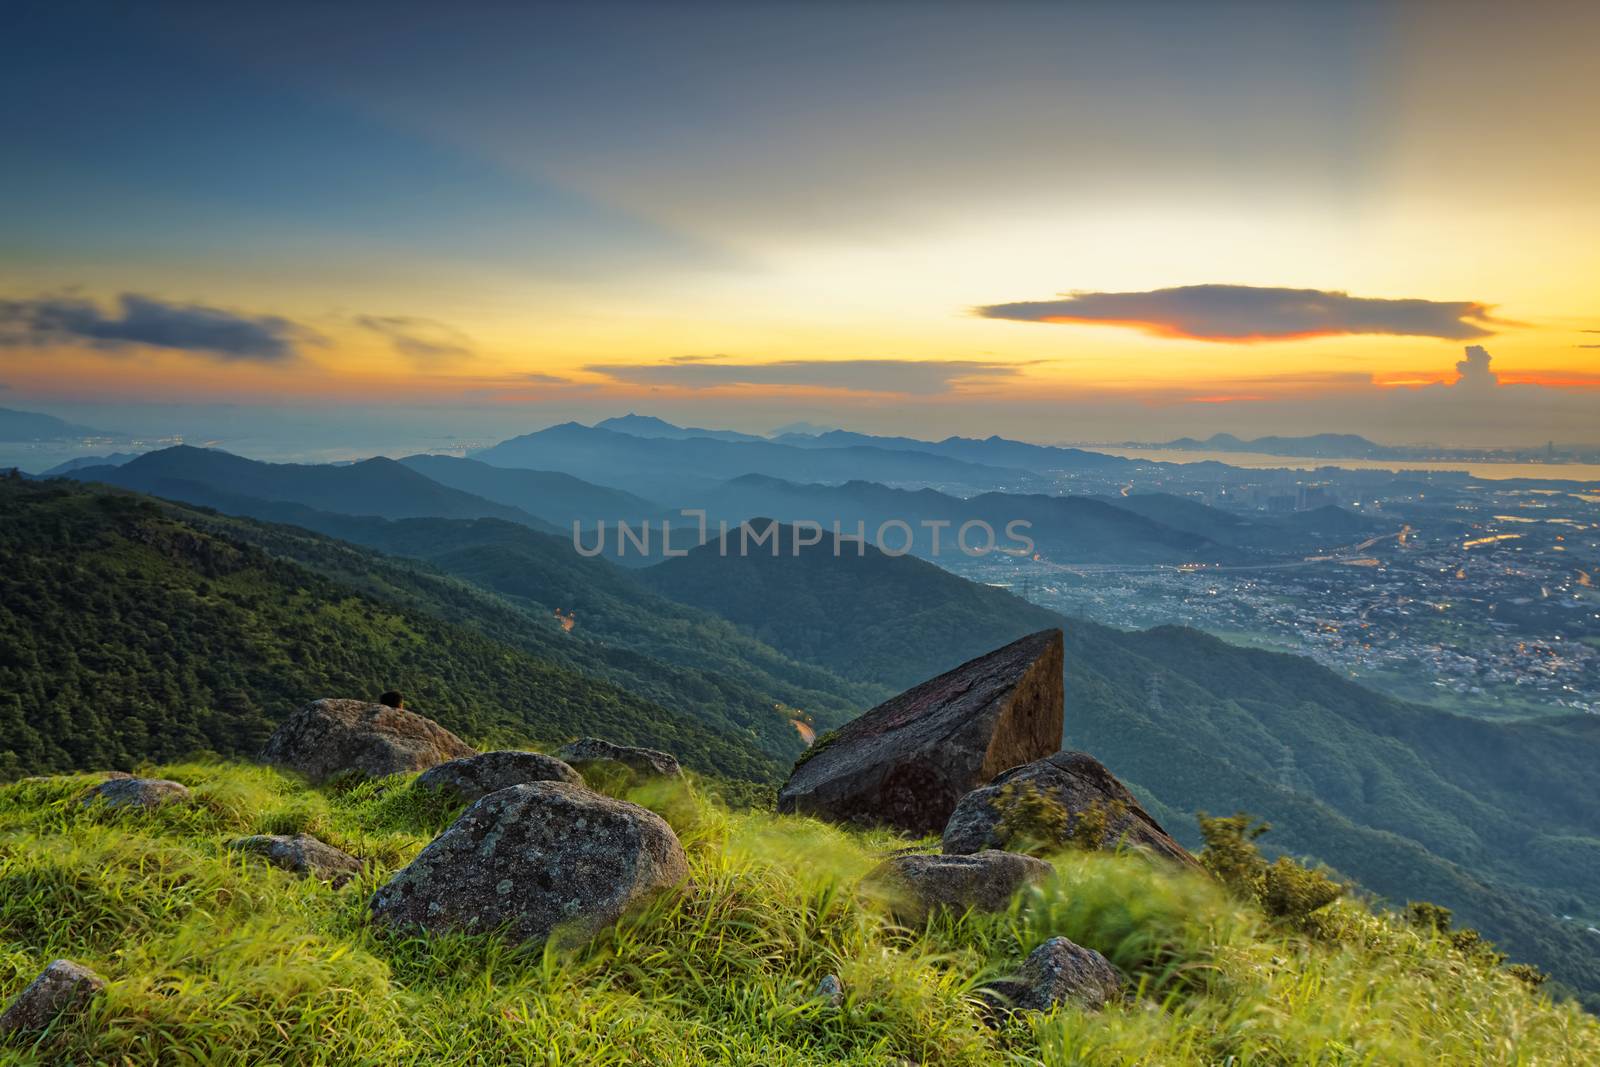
[[1288, 892]]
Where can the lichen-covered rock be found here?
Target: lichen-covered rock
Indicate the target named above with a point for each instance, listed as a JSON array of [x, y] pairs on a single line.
[[136, 793], [536, 860], [642, 760], [303, 854], [62, 988], [916, 885], [329, 737], [472, 777], [1057, 972], [1078, 783], [909, 760]]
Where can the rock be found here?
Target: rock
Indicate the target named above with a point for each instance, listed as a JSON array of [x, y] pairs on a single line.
[[909, 760], [329, 737], [136, 793], [916, 885], [830, 991], [1055, 973], [473, 777], [303, 854], [642, 760], [534, 859], [1079, 783], [62, 988]]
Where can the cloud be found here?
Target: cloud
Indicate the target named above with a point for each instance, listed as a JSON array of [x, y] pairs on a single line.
[[143, 321], [1587, 346], [1474, 370], [545, 379], [421, 339], [919, 376], [1253, 313]]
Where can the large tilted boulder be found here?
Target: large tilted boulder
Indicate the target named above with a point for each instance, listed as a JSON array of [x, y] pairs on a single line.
[[62, 988], [1056, 973], [916, 885], [534, 860], [303, 854], [909, 760], [1079, 784], [331, 736], [646, 761], [471, 777], [128, 792]]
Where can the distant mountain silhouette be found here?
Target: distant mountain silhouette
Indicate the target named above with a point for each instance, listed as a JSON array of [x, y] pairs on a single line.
[[802, 427], [557, 498], [33, 426], [1312, 446], [675, 471], [1075, 529], [650, 426], [994, 451], [115, 459], [379, 487]]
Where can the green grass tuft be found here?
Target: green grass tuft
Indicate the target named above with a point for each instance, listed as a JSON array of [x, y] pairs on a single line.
[[215, 958]]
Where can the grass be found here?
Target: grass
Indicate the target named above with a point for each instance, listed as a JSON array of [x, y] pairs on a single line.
[[214, 958]]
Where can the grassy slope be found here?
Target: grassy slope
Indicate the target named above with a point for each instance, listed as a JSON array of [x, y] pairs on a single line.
[[1499, 821], [215, 959], [126, 634]]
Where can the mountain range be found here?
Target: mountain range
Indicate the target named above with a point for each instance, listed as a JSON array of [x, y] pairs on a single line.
[[1312, 446], [650, 426], [33, 426], [1135, 529], [993, 451], [723, 658], [378, 486], [675, 471]]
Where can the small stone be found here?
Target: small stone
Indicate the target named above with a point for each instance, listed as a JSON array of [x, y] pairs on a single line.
[[830, 990], [642, 760], [472, 777], [918, 884], [136, 793], [62, 988], [1058, 972], [304, 855]]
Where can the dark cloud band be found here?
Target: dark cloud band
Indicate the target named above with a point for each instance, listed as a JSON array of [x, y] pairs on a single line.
[[142, 321], [1253, 313]]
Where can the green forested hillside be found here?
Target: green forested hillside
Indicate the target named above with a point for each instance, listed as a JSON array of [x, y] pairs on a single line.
[[683, 657], [126, 634], [1500, 821], [688, 659]]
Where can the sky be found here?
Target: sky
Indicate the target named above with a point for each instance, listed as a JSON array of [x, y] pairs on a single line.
[[1057, 222]]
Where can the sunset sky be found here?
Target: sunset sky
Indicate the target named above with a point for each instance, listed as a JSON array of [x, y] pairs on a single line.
[[1103, 222]]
